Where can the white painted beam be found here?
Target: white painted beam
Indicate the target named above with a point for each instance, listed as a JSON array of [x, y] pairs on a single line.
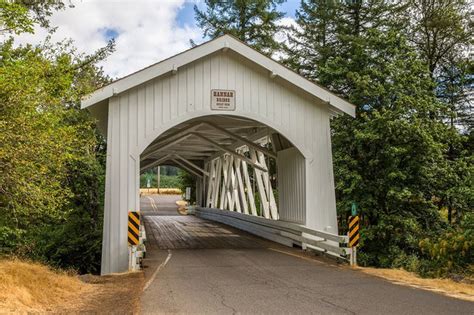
[[169, 144], [242, 140], [192, 164], [164, 140], [187, 168], [154, 163], [226, 149]]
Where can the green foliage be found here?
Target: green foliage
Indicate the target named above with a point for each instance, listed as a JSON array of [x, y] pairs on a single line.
[[165, 181], [14, 18], [399, 158], [450, 252], [253, 22], [170, 181], [52, 158], [187, 180], [390, 242], [442, 30], [20, 16]]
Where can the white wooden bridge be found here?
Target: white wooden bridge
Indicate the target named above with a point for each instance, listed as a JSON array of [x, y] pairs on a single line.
[[243, 125]]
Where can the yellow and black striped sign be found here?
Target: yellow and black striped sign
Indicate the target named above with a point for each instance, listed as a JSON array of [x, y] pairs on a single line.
[[133, 228], [354, 231]]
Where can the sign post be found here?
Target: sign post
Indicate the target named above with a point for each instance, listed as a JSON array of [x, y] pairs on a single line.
[[353, 234]]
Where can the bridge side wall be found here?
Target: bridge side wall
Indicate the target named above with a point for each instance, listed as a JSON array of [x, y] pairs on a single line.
[[291, 186], [140, 115]]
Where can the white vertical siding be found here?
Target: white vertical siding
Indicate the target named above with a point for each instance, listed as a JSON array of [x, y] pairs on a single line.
[[291, 186]]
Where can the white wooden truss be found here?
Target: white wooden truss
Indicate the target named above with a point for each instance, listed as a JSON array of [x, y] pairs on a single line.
[[229, 186]]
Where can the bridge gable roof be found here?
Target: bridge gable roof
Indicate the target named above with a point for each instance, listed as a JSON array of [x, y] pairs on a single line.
[[226, 42]]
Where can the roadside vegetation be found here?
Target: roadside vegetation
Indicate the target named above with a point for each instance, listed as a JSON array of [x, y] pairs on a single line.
[[407, 159]]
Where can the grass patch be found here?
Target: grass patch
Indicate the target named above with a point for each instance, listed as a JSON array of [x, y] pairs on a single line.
[[163, 191], [27, 286], [460, 290]]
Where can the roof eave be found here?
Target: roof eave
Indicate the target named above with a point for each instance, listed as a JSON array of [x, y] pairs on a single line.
[[224, 42]]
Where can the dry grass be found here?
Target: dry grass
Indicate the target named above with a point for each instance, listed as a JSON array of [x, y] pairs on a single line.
[[163, 191], [448, 287], [27, 287]]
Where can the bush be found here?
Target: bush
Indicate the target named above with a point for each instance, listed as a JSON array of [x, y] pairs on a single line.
[[451, 252], [392, 242], [187, 180], [170, 181]]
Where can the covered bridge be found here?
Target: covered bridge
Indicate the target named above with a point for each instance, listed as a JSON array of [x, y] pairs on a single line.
[[225, 113]]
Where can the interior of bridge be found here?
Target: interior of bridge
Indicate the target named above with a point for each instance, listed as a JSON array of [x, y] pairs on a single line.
[[233, 159]]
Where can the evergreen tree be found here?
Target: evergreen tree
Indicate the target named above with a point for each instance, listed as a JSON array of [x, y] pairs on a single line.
[[313, 41], [392, 158], [440, 28], [254, 22], [442, 31]]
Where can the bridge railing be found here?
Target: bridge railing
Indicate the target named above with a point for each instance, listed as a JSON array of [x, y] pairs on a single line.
[[286, 233]]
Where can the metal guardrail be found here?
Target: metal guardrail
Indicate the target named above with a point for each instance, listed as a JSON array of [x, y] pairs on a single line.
[[136, 253], [282, 232]]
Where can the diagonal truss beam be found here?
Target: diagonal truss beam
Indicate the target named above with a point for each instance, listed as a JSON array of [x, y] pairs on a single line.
[[242, 140], [169, 144], [155, 163], [187, 168], [192, 164], [238, 145], [230, 151], [171, 137]]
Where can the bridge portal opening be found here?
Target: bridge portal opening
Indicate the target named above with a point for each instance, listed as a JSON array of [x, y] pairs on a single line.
[[237, 164]]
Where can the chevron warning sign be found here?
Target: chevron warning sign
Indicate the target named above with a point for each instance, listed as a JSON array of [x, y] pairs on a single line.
[[133, 228], [353, 231]]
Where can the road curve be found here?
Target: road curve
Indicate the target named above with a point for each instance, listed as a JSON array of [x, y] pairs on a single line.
[[207, 273]]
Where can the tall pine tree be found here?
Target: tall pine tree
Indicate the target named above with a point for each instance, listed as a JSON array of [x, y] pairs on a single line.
[[254, 22], [313, 41]]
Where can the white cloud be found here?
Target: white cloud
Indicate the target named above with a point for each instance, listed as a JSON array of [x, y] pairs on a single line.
[[282, 36], [287, 21], [147, 31]]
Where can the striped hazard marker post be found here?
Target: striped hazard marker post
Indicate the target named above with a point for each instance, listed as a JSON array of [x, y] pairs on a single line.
[[354, 238], [133, 228], [133, 239]]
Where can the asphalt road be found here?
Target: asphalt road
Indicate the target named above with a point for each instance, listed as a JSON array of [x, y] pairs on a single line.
[[261, 277]]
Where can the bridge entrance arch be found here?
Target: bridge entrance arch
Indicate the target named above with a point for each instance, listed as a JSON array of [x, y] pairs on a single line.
[[219, 110]]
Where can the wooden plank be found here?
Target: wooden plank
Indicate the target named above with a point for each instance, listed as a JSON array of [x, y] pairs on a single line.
[[186, 232]]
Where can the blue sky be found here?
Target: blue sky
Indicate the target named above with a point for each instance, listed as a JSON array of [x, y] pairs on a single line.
[[145, 31]]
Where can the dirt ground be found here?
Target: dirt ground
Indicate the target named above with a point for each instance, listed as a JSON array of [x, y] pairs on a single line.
[[118, 293]]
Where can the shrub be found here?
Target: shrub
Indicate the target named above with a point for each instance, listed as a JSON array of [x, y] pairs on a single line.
[[392, 242], [451, 252]]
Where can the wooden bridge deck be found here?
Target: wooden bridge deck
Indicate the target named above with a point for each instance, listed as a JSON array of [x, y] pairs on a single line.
[[190, 232]]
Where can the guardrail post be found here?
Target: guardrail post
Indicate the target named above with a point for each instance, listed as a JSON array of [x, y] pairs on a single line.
[[353, 257]]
